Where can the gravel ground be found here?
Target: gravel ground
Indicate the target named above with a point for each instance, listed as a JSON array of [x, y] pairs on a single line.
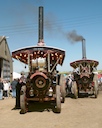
[[84, 112]]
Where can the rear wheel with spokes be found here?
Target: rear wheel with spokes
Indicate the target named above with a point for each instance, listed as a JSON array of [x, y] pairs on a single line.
[[63, 90], [75, 89], [58, 99]]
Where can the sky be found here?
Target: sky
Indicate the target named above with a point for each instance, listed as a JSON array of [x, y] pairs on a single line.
[[19, 23]]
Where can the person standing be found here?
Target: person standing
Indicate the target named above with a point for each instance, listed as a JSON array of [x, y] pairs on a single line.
[[69, 80], [1, 89], [21, 82], [13, 86], [6, 89]]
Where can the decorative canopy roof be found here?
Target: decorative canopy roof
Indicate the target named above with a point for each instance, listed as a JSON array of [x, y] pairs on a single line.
[[76, 64], [39, 51]]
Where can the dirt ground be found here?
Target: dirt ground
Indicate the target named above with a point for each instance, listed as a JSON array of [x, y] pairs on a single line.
[[84, 112]]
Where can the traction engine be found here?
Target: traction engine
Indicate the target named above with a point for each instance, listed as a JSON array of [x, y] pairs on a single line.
[[44, 83], [85, 77]]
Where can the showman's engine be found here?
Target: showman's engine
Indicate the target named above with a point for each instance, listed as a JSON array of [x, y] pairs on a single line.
[[85, 77], [44, 83]]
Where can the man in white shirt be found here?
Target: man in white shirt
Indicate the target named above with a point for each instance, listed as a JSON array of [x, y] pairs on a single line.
[[6, 88]]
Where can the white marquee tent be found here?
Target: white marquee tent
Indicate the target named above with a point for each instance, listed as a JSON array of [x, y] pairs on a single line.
[[16, 75]]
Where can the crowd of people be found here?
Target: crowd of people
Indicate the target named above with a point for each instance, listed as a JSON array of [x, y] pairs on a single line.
[[8, 89], [12, 89]]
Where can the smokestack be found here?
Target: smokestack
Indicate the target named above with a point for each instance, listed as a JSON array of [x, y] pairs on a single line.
[[83, 49], [40, 28]]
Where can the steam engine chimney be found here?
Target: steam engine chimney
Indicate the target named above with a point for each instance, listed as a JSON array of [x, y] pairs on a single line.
[[40, 28], [83, 49]]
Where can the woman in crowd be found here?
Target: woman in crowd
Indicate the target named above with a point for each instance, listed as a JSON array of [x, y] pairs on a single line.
[[1, 89]]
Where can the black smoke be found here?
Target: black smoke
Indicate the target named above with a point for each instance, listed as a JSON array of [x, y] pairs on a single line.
[[74, 37]]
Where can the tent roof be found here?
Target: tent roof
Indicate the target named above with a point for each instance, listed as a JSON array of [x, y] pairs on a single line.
[[16, 75]]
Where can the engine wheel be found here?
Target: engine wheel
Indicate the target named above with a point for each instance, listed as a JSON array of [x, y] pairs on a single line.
[[63, 90], [58, 99], [23, 102], [96, 86], [75, 89]]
